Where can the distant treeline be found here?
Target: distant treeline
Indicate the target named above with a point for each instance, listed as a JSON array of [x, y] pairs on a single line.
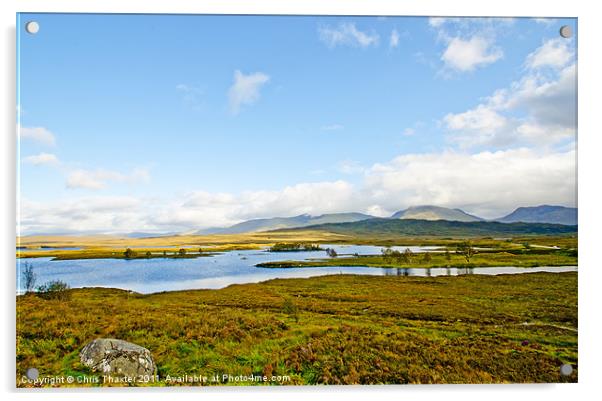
[[294, 247]]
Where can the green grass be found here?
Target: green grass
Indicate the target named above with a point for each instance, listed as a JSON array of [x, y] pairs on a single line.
[[339, 329], [515, 257]]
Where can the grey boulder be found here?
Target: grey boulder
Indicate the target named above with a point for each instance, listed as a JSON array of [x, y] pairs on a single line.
[[117, 358]]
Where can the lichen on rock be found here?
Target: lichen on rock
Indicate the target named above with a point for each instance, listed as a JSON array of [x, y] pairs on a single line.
[[117, 358]]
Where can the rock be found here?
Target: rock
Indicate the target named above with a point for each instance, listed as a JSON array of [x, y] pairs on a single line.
[[117, 358]]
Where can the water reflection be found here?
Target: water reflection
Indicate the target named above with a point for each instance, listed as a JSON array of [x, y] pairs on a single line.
[[221, 270]]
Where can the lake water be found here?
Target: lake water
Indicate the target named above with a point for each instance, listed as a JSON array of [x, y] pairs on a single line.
[[221, 270]]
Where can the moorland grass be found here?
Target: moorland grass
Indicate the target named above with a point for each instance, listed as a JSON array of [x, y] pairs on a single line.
[[339, 329]]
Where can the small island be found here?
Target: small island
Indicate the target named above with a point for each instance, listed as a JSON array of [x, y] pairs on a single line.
[[294, 247]]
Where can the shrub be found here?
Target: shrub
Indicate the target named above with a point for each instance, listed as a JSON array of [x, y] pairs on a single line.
[[129, 253], [55, 289]]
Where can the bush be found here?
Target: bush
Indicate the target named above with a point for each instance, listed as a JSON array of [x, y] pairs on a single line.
[[129, 253], [55, 289], [331, 253]]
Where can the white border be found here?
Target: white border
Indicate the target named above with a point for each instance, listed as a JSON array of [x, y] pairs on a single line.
[[590, 34]]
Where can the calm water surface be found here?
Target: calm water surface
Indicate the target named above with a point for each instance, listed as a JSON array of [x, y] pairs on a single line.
[[221, 270]]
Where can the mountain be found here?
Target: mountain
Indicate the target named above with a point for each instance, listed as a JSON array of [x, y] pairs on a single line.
[[434, 213], [275, 223], [543, 214], [435, 228]]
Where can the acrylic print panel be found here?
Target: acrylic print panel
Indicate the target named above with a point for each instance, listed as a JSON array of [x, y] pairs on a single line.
[[295, 200]]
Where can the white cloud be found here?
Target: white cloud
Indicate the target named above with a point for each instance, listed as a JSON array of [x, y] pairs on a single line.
[[470, 43], [545, 21], [552, 102], [108, 214], [99, 179], [481, 118], [37, 134], [539, 108], [482, 125], [332, 127], [436, 22], [347, 34], [245, 89], [466, 55], [489, 184], [394, 38], [202, 209], [486, 183], [42, 158], [553, 53], [409, 132]]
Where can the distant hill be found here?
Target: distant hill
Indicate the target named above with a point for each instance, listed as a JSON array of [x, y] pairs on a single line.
[[397, 227], [286, 222], [434, 213], [543, 214]]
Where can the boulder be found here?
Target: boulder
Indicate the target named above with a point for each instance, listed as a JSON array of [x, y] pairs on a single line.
[[117, 358]]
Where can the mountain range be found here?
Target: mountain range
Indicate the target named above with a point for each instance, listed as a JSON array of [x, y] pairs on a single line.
[[542, 214], [536, 214], [276, 223], [434, 213]]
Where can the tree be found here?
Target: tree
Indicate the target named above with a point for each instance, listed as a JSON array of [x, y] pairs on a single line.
[[200, 250], [331, 253], [465, 249], [407, 255], [148, 254], [182, 252], [387, 254], [29, 277], [129, 253], [426, 257], [447, 256]]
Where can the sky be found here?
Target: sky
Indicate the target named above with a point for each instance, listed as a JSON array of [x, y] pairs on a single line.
[[175, 123]]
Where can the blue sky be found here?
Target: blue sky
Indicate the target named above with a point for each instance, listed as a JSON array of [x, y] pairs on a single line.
[[174, 123]]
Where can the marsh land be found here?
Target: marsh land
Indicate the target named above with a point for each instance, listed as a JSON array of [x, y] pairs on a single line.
[[324, 330], [333, 329]]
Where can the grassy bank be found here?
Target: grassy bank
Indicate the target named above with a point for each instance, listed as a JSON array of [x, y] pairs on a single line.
[[527, 258], [138, 253], [333, 329]]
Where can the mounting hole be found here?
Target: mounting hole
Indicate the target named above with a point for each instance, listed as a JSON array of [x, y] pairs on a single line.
[[566, 31], [32, 27], [32, 373], [566, 369]]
